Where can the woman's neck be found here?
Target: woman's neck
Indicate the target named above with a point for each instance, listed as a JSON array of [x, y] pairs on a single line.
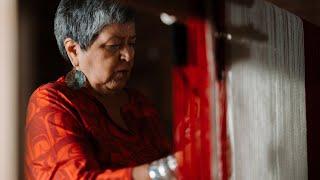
[[112, 98]]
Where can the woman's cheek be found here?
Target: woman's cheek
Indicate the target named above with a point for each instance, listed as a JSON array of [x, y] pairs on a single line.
[[108, 72]]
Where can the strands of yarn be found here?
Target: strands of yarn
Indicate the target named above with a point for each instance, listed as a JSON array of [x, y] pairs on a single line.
[[266, 93]]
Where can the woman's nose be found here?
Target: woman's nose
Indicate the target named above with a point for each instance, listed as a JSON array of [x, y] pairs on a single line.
[[127, 53]]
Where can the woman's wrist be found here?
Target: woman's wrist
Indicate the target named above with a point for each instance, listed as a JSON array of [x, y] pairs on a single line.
[[140, 172], [164, 168]]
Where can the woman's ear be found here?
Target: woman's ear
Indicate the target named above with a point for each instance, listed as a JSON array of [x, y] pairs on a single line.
[[72, 48]]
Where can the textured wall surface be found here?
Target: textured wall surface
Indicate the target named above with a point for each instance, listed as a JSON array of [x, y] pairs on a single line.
[[266, 92]]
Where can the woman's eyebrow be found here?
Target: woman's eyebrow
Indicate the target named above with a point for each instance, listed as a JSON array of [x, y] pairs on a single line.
[[112, 38], [123, 37], [115, 37]]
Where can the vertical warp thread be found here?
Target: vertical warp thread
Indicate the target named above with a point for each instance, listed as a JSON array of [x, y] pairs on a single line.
[[266, 94]]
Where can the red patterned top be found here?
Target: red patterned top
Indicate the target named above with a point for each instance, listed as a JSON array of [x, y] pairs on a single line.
[[69, 135]]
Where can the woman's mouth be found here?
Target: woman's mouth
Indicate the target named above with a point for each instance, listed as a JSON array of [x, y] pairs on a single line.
[[120, 75]]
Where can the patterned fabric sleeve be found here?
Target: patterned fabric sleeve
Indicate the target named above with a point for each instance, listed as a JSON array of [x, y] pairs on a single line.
[[57, 146]]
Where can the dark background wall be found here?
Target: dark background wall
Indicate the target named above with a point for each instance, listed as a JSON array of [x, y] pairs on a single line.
[[312, 62]]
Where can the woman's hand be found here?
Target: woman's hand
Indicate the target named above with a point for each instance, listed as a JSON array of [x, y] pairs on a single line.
[[140, 172]]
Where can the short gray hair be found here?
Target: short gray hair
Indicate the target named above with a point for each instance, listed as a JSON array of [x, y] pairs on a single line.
[[83, 20]]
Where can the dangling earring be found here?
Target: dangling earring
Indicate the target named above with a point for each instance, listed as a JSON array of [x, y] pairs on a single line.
[[76, 79]]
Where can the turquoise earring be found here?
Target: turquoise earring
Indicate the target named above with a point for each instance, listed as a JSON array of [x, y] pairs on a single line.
[[80, 79], [76, 79]]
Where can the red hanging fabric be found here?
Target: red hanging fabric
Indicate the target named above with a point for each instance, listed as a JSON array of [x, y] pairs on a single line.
[[191, 105], [225, 151]]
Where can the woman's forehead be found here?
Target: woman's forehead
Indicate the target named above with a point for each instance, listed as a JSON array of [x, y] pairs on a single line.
[[126, 30]]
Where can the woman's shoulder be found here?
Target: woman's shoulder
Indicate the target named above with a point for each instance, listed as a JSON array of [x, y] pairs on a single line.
[[55, 91], [53, 88], [57, 98]]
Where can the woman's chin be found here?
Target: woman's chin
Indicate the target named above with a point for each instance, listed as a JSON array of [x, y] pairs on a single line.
[[111, 86], [116, 85]]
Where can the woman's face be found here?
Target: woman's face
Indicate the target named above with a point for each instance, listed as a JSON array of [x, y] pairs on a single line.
[[108, 62]]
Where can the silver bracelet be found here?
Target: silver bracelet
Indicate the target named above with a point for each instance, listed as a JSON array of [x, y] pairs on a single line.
[[163, 169]]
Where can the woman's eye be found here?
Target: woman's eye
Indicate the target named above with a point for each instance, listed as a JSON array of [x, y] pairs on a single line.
[[113, 47]]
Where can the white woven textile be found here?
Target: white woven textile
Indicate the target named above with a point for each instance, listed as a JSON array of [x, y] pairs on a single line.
[[266, 92]]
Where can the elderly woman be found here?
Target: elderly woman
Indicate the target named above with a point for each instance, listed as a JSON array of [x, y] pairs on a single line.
[[87, 124]]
